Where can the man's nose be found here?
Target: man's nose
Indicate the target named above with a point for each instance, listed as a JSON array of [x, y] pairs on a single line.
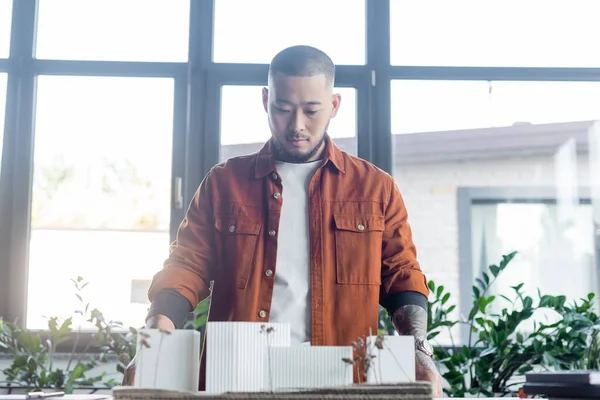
[[297, 123]]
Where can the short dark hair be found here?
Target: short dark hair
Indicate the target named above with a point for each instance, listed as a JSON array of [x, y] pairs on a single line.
[[303, 61]]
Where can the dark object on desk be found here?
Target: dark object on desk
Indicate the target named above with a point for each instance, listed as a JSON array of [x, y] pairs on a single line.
[[562, 390], [583, 377], [572, 384]]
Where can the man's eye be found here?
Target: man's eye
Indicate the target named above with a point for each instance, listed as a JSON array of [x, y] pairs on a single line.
[[282, 110], [310, 112]]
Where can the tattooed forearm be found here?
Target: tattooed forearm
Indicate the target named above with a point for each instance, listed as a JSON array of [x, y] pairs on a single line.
[[411, 320]]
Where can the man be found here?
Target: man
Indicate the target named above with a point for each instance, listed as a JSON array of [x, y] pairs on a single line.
[[299, 232]]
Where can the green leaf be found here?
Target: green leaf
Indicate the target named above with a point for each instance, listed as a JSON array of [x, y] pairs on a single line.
[[483, 304], [486, 278], [431, 286], [495, 270], [200, 321], [203, 306], [506, 259], [473, 312], [453, 374], [520, 337], [431, 335], [476, 292], [450, 309], [518, 287], [546, 301], [445, 298], [440, 290], [506, 298]]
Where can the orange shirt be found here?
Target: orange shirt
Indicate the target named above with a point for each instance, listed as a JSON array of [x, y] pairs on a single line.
[[361, 248]]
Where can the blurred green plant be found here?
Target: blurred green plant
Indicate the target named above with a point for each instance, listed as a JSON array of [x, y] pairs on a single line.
[[499, 351], [33, 352]]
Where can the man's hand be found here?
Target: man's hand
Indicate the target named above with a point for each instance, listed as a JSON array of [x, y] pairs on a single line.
[[154, 322], [129, 375], [412, 320], [425, 370]]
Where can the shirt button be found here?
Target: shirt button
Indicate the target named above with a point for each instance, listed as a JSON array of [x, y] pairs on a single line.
[[232, 228], [262, 313], [272, 232], [274, 175], [277, 195], [361, 227], [269, 272]]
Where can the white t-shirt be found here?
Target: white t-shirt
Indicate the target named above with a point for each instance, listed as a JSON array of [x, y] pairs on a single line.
[[291, 293]]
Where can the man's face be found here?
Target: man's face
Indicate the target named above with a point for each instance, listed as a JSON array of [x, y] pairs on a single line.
[[299, 110]]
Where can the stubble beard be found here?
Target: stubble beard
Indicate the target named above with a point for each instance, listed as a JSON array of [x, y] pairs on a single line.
[[282, 154]]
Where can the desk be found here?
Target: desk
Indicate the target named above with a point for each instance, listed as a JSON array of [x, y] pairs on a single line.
[[109, 397]]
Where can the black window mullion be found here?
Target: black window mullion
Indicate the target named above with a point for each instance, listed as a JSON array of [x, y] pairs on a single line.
[[200, 58], [17, 164], [378, 62]]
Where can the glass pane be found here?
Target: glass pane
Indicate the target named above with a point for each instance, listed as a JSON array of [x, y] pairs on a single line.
[[3, 78], [113, 30], [101, 193], [5, 24], [422, 106], [546, 245], [505, 139], [475, 33], [258, 29], [245, 129]]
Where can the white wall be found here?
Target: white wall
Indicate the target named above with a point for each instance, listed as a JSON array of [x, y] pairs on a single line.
[[430, 194]]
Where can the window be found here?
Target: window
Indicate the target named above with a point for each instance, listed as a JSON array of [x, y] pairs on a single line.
[[113, 30], [2, 111], [101, 193], [244, 125], [426, 106], [547, 243], [258, 29], [423, 106], [511, 33], [5, 24], [478, 134]]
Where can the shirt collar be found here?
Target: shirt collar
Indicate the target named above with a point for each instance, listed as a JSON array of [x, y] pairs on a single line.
[[265, 162]]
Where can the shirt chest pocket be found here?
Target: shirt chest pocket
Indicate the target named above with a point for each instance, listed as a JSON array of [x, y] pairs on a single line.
[[358, 243], [238, 239]]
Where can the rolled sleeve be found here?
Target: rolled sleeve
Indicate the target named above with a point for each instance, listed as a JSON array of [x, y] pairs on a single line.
[[172, 305], [189, 268], [400, 270]]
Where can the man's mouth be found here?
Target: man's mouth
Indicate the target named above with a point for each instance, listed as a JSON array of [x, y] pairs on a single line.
[[296, 139], [297, 142]]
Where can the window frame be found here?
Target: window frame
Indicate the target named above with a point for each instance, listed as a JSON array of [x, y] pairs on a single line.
[[18, 152], [469, 196]]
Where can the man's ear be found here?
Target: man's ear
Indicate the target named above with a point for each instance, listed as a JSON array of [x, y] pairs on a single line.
[[335, 101], [265, 99]]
